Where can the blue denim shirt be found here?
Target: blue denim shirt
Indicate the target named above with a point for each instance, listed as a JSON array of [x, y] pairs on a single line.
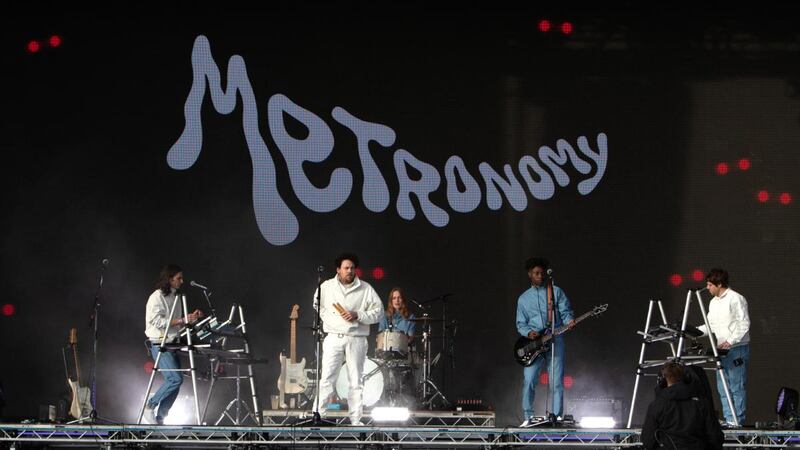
[[532, 309], [400, 324]]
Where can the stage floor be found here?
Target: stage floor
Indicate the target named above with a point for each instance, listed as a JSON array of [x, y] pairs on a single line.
[[109, 436]]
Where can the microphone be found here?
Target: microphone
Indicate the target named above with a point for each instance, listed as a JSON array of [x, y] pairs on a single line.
[[198, 285], [704, 288], [320, 269], [417, 303], [549, 272], [105, 262]]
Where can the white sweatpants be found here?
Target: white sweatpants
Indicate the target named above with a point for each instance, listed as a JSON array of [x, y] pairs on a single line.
[[352, 350]]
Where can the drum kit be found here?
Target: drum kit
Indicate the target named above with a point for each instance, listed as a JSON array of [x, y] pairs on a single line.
[[398, 374]]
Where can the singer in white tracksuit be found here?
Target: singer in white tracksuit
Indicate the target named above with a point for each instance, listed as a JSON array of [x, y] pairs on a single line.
[[346, 331]]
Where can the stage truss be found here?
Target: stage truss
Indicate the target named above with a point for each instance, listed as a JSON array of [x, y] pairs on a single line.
[[289, 417], [111, 436]]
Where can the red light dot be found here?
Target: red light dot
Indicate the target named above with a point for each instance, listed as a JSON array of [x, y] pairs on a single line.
[[544, 25], [698, 275], [54, 41], [148, 366], [359, 272], [8, 309], [566, 27], [785, 198], [722, 168], [543, 378], [744, 164], [675, 279], [378, 273], [763, 196], [34, 46], [568, 381]]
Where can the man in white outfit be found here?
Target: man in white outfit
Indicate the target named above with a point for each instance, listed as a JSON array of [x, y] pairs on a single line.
[[347, 329]]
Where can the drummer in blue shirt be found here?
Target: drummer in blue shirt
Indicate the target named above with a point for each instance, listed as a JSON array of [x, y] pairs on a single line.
[[397, 315]]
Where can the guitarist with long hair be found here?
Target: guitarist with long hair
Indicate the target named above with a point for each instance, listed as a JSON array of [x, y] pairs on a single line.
[[537, 307]]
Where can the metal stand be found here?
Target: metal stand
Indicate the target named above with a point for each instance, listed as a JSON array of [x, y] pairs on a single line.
[[430, 392], [668, 334], [238, 357], [163, 348]]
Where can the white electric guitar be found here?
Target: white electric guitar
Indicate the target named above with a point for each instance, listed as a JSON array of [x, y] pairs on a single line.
[[293, 378], [81, 395]]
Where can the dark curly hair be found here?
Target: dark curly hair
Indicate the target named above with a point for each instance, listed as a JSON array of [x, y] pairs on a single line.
[[169, 271], [530, 263], [718, 277], [344, 256]]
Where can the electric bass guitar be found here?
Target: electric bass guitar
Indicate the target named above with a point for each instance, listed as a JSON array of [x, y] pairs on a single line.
[[81, 395], [293, 378], [527, 350]]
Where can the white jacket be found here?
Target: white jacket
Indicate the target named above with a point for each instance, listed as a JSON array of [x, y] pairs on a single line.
[[359, 296], [729, 319]]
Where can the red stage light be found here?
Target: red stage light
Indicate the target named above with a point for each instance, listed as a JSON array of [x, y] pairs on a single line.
[[568, 381], [763, 196], [698, 275], [566, 27], [148, 366], [9, 310], [544, 25], [744, 164], [722, 168], [543, 378], [359, 272], [675, 279], [34, 46], [378, 273], [54, 41], [785, 198]]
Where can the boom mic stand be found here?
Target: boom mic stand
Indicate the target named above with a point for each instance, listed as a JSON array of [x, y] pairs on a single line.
[[316, 420]]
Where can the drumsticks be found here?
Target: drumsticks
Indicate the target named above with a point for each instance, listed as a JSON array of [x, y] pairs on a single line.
[[339, 308]]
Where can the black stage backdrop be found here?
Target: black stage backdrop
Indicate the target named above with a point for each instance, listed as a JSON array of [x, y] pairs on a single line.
[[635, 153]]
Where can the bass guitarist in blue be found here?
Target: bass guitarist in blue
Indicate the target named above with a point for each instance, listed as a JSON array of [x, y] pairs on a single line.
[[537, 307]]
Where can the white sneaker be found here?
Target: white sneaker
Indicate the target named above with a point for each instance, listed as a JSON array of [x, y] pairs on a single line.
[[150, 415], [526, 423]]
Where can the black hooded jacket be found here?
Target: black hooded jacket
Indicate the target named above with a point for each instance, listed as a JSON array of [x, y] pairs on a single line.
[[679, 418]]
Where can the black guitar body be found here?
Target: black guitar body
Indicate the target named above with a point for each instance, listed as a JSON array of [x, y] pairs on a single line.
[[526, 351]]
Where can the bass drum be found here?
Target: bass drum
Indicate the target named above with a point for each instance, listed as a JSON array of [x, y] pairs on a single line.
[[373, 383]]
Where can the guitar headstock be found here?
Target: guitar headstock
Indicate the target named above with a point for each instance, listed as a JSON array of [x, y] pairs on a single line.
[[294, 314], [73, 336], [599, 309]]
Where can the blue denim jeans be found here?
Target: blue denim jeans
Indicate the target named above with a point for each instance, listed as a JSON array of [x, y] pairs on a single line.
[[734, 364], [556, 376], [168, 392]]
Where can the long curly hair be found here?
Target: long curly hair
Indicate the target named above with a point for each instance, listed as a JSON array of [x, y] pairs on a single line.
[[403, 307]]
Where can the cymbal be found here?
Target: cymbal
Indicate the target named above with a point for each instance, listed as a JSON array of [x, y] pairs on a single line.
[[424, 319]]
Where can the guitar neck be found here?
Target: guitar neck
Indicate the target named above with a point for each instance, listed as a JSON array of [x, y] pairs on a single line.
[[293, 342], [564, 328]]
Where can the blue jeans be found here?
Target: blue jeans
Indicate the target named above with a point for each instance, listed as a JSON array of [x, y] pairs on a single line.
[[555, 376], [737, 382], [168, 392]]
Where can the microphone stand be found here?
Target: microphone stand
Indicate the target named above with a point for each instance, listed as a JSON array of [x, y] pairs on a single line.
[[93, 322], [550, 379], [316, 420]]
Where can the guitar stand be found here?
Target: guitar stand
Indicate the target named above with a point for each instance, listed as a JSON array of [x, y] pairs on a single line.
[[430, 392], [667, 333]]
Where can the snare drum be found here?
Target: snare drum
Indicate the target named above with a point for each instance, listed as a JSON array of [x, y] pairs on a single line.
[[391, 345]]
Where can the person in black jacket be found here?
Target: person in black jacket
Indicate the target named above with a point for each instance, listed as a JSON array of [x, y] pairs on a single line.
[[679, 417]]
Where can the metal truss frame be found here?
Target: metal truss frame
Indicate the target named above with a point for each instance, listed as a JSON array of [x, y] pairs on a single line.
[[284, 417], [109, 436]]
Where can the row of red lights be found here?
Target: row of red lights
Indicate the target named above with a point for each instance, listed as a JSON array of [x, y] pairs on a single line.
[[763, 196], [35, 45], [697, 275], [545, 25], [376, 273], [569, 381]]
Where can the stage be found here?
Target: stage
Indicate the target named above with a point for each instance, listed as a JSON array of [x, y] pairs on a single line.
[[389, 436]]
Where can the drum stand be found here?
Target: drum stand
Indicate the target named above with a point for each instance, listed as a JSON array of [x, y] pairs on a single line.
[[429, 389]]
